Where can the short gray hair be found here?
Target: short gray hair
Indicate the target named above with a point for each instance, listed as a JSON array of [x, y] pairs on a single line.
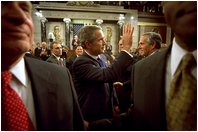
[[154, 37], [87, 34]]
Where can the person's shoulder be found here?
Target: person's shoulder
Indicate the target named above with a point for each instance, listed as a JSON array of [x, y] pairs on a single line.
[[153, 60], [84, 59], [44, 66], [32, 56], [50, 58]]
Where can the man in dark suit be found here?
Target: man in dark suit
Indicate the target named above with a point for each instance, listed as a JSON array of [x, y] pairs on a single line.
[[93, 80], [149, 43], [37, 50], [44, 91], [152, 77], [56, 52], [44, 52], [71, 57]]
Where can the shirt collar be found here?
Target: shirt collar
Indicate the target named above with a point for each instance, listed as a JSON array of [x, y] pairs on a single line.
[[177, 54], [93, 56], [19, 72], [56, 56], [153, 52]]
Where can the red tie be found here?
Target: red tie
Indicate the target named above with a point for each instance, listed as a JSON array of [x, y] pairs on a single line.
[[14, 114]]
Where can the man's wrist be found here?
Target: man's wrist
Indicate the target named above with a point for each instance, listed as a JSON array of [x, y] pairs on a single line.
[[128, 53]]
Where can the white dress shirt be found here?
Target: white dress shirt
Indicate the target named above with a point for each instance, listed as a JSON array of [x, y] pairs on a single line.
[[93, 56], [22, 85], [173, 61]]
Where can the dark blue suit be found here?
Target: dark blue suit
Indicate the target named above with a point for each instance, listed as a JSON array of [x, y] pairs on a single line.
[[94, 85]]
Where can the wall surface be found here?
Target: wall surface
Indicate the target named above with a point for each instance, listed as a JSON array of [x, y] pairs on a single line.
[[87, 13]]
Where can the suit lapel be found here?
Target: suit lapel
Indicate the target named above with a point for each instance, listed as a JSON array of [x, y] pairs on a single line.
[[155, 94], [55, 59], [89, 57]]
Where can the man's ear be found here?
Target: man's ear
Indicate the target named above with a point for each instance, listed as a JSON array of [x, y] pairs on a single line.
[[87, 44], [153, 45]]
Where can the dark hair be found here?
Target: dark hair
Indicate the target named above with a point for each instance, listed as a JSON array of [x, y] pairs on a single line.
[[78, 45], [87, 34], [54, 42]]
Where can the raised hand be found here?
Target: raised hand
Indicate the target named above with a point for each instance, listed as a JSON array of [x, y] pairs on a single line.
[[127, 38]]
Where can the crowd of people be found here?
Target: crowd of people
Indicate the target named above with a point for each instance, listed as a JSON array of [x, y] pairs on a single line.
[[57, 53], [53, 89]]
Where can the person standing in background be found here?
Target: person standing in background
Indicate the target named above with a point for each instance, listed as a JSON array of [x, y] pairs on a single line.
[[75, 41], [56, 52], [37, 50], [65, 50], [150, 43], [71, 58], [44, 52]]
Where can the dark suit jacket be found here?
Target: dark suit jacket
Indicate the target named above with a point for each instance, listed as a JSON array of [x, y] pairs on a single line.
[[44, 57], [70, 61], [148, 93], [32, 56], [94, 85], [54, 96], [37, 52], [53, 59]]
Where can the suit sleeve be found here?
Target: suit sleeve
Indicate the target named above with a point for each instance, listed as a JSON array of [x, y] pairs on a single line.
[[87, 70]]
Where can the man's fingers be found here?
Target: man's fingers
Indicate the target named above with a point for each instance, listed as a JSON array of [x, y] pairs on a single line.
[[128, 29]]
